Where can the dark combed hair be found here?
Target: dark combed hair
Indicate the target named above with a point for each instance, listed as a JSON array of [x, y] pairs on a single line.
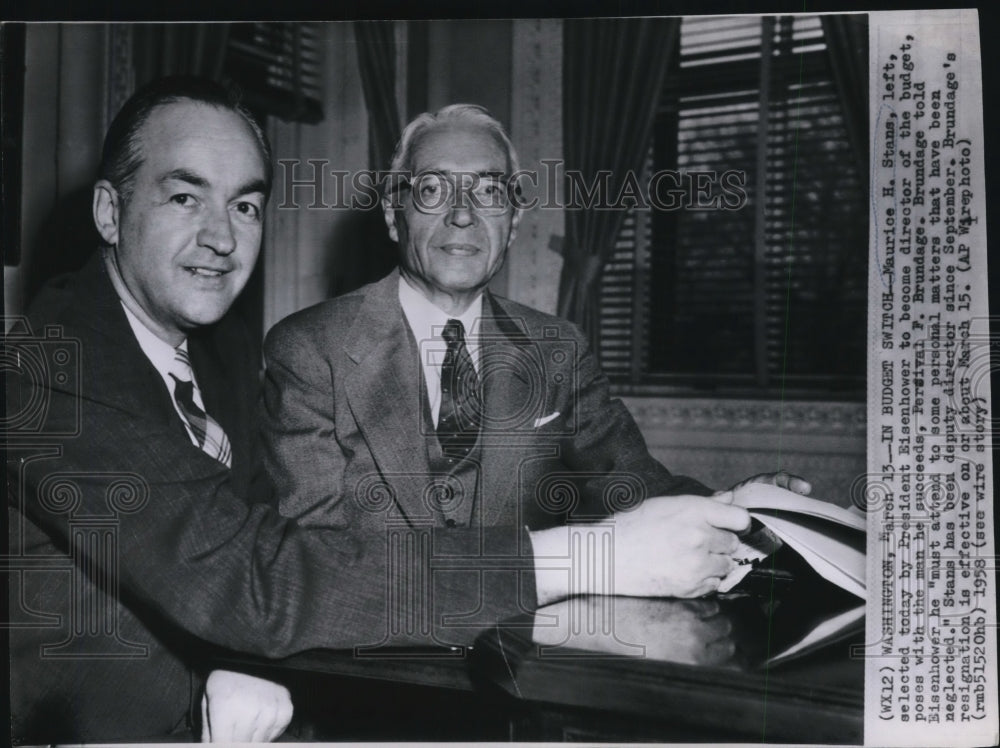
[[122, 157]]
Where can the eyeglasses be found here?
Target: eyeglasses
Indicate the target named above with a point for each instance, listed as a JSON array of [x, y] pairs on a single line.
[[434, 193]]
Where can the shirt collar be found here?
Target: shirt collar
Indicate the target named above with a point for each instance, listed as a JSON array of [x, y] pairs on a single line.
[[427, 320], [160, 353]]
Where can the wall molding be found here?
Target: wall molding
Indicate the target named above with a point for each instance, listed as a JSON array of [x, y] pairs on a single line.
[[536, 129], [824, 418], [120, 70], [720, 442]]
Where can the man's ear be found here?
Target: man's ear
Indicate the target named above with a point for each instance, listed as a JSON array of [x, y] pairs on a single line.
[[107, 211], [515, 221], [389, 214]]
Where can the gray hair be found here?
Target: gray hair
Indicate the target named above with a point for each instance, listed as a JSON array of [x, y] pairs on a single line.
[[461, 114]]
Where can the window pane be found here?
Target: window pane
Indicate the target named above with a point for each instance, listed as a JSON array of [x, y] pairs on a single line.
[[738, 298]]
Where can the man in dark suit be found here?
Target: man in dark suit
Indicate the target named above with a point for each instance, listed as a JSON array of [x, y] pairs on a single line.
[[135, 545], [424, 401], [121, 465]]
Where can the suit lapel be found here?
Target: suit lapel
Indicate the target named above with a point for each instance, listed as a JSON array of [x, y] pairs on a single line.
[[215, 359], [210, 373], [129, 381], [384, 393], [118, 368], [509, 364]]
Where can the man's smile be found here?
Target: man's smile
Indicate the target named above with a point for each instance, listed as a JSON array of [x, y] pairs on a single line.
[[460, 250], [206, 272]]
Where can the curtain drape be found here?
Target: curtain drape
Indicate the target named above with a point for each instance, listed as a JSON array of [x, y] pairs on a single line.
[[179, 49], [377, 61], [371, 253], [613, 72], [847, 44]]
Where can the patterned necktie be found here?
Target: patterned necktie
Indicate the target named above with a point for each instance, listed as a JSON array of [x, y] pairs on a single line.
[[209, 434], [461, 412]]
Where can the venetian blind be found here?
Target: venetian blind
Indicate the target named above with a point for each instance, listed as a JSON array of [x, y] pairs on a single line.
[[278, 68], [770, 295]]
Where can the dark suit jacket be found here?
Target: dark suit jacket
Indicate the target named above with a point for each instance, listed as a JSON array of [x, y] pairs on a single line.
[[349, 442], [132, 549]]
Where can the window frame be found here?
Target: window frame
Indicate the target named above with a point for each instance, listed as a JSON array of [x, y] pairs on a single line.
[[634, 258]]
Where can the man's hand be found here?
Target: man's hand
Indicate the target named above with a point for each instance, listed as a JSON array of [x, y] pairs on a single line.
[[693, 632], [780, 479], [676, 546], [668, 546], [239, 708]]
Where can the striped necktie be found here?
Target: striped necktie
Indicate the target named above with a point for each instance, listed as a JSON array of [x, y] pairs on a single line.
[[207, 432]]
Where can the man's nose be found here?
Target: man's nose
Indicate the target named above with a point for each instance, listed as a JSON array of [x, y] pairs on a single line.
[[461, 214], [217, 232]]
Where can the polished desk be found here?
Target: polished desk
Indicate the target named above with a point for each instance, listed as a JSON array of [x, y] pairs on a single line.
[[667, 670], [599, 669]]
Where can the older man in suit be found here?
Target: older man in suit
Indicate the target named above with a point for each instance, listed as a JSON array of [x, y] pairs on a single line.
[[423, 401]]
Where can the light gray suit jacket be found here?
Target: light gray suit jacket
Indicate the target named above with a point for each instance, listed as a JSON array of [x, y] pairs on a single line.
[[349, 443]]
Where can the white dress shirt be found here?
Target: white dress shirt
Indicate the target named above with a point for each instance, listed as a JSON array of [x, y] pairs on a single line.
[[162, 356], [426, 322]]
